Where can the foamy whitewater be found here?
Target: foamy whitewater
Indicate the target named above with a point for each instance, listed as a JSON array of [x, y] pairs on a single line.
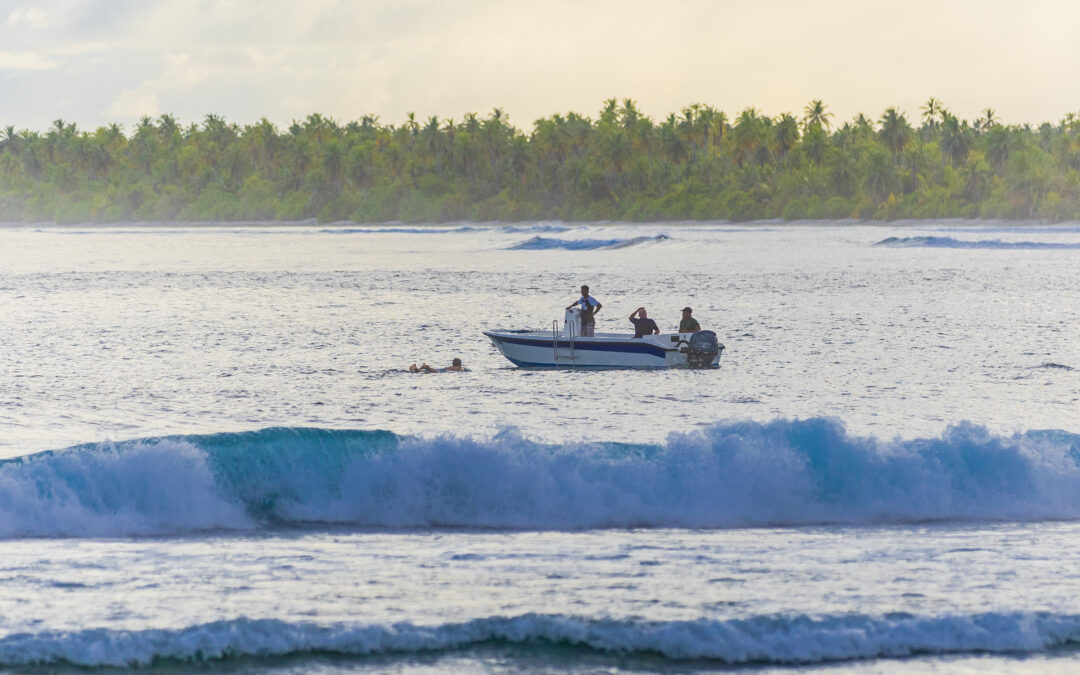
[[212, 453]]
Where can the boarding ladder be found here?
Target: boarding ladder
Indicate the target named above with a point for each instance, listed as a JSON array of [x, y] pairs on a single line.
[[555, 342]]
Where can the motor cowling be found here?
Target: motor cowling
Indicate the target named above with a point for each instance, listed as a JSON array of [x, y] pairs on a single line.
[[702, 349]]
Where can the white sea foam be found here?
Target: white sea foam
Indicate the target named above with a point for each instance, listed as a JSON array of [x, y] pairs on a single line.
[[159, 487], [951, 242], [551, 243], [731, 474], [765, 639]]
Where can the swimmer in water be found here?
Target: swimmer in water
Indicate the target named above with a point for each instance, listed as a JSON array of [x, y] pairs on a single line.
[[454, 367]]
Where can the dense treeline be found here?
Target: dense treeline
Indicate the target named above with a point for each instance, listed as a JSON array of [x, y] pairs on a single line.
[[697, 164]]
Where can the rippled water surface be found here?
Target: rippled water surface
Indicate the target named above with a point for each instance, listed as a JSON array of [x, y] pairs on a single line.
[[126, 332], [883, 474]]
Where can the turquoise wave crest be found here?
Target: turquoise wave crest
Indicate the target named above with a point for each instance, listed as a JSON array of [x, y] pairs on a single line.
[[729, 474]]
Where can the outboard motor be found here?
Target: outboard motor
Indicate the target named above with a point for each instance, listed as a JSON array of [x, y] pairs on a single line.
[[702, 349]]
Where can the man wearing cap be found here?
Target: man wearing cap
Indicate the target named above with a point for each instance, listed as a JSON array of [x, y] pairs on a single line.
[[688, 324]]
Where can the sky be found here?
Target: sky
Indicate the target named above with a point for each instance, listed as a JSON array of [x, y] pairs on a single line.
[[93, 62]]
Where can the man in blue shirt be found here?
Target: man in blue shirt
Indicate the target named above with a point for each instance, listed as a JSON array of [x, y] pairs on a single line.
[[643, 325], [589, 307]]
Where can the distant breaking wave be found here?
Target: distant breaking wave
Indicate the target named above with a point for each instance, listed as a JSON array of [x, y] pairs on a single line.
[[437, 229], [949, 242], [797, 639], [549, 243], [397, 230], [1059, 366], [1060, 228], [731, 474], [517, 229]]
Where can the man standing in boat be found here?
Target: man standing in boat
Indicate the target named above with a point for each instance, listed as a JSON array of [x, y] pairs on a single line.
[[643, 325], [589, 307]]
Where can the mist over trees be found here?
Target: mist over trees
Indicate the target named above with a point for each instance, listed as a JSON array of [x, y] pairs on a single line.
[[623, 165]]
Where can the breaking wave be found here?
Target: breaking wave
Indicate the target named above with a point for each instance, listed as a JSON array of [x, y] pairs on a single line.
[[434, 229], [949, 242], [1059, 228], [730, 474], [442, 229], [540, 227], [1054, 366], [776, 639], [549, 243]]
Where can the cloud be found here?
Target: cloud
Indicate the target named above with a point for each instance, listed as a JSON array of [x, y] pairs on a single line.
[[133, 104], [97, 60], [26, 61], [30, 17]]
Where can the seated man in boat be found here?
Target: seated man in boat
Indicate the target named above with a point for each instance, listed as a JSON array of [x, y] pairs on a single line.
[[589, 307], [688, 324], [643, 325], [454, 367]]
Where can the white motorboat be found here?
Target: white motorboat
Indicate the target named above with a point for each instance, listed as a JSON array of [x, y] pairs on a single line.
[[567, 348]]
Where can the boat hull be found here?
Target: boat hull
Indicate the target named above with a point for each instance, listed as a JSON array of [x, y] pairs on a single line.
[[543, 350]]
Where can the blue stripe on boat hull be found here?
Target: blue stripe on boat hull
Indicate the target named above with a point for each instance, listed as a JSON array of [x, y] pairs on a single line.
[[574, 366], [585, 345]]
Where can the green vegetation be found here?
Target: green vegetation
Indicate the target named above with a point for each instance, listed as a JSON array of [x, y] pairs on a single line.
[[694, 165]]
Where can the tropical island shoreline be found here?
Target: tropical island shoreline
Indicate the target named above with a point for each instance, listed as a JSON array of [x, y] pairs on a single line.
[[959, 223], [695, 165]]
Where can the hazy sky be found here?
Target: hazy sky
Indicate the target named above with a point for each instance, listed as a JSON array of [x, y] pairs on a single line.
[[96, 61]]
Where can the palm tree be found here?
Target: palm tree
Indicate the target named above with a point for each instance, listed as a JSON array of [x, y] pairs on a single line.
[[433, 142], [862, 127], [111, 138], [216, 129], [629, 114], [842, 175], [168, 128], [748, 135], [976, 181], [879, 174], [999, 144], [671, 140], [369, 122], [931, 113], [721, 126], [955, 139], [688, 129], [10, 140], [333, 161], [786, 133], [609, 113], [895, 131], [520, 155], [987, 121], [709, 123], [816, 114], [815, 141], [472, 123], [411, 125], [704, 121]]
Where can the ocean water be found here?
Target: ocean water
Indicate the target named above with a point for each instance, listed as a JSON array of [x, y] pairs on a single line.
[[213, 456]]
